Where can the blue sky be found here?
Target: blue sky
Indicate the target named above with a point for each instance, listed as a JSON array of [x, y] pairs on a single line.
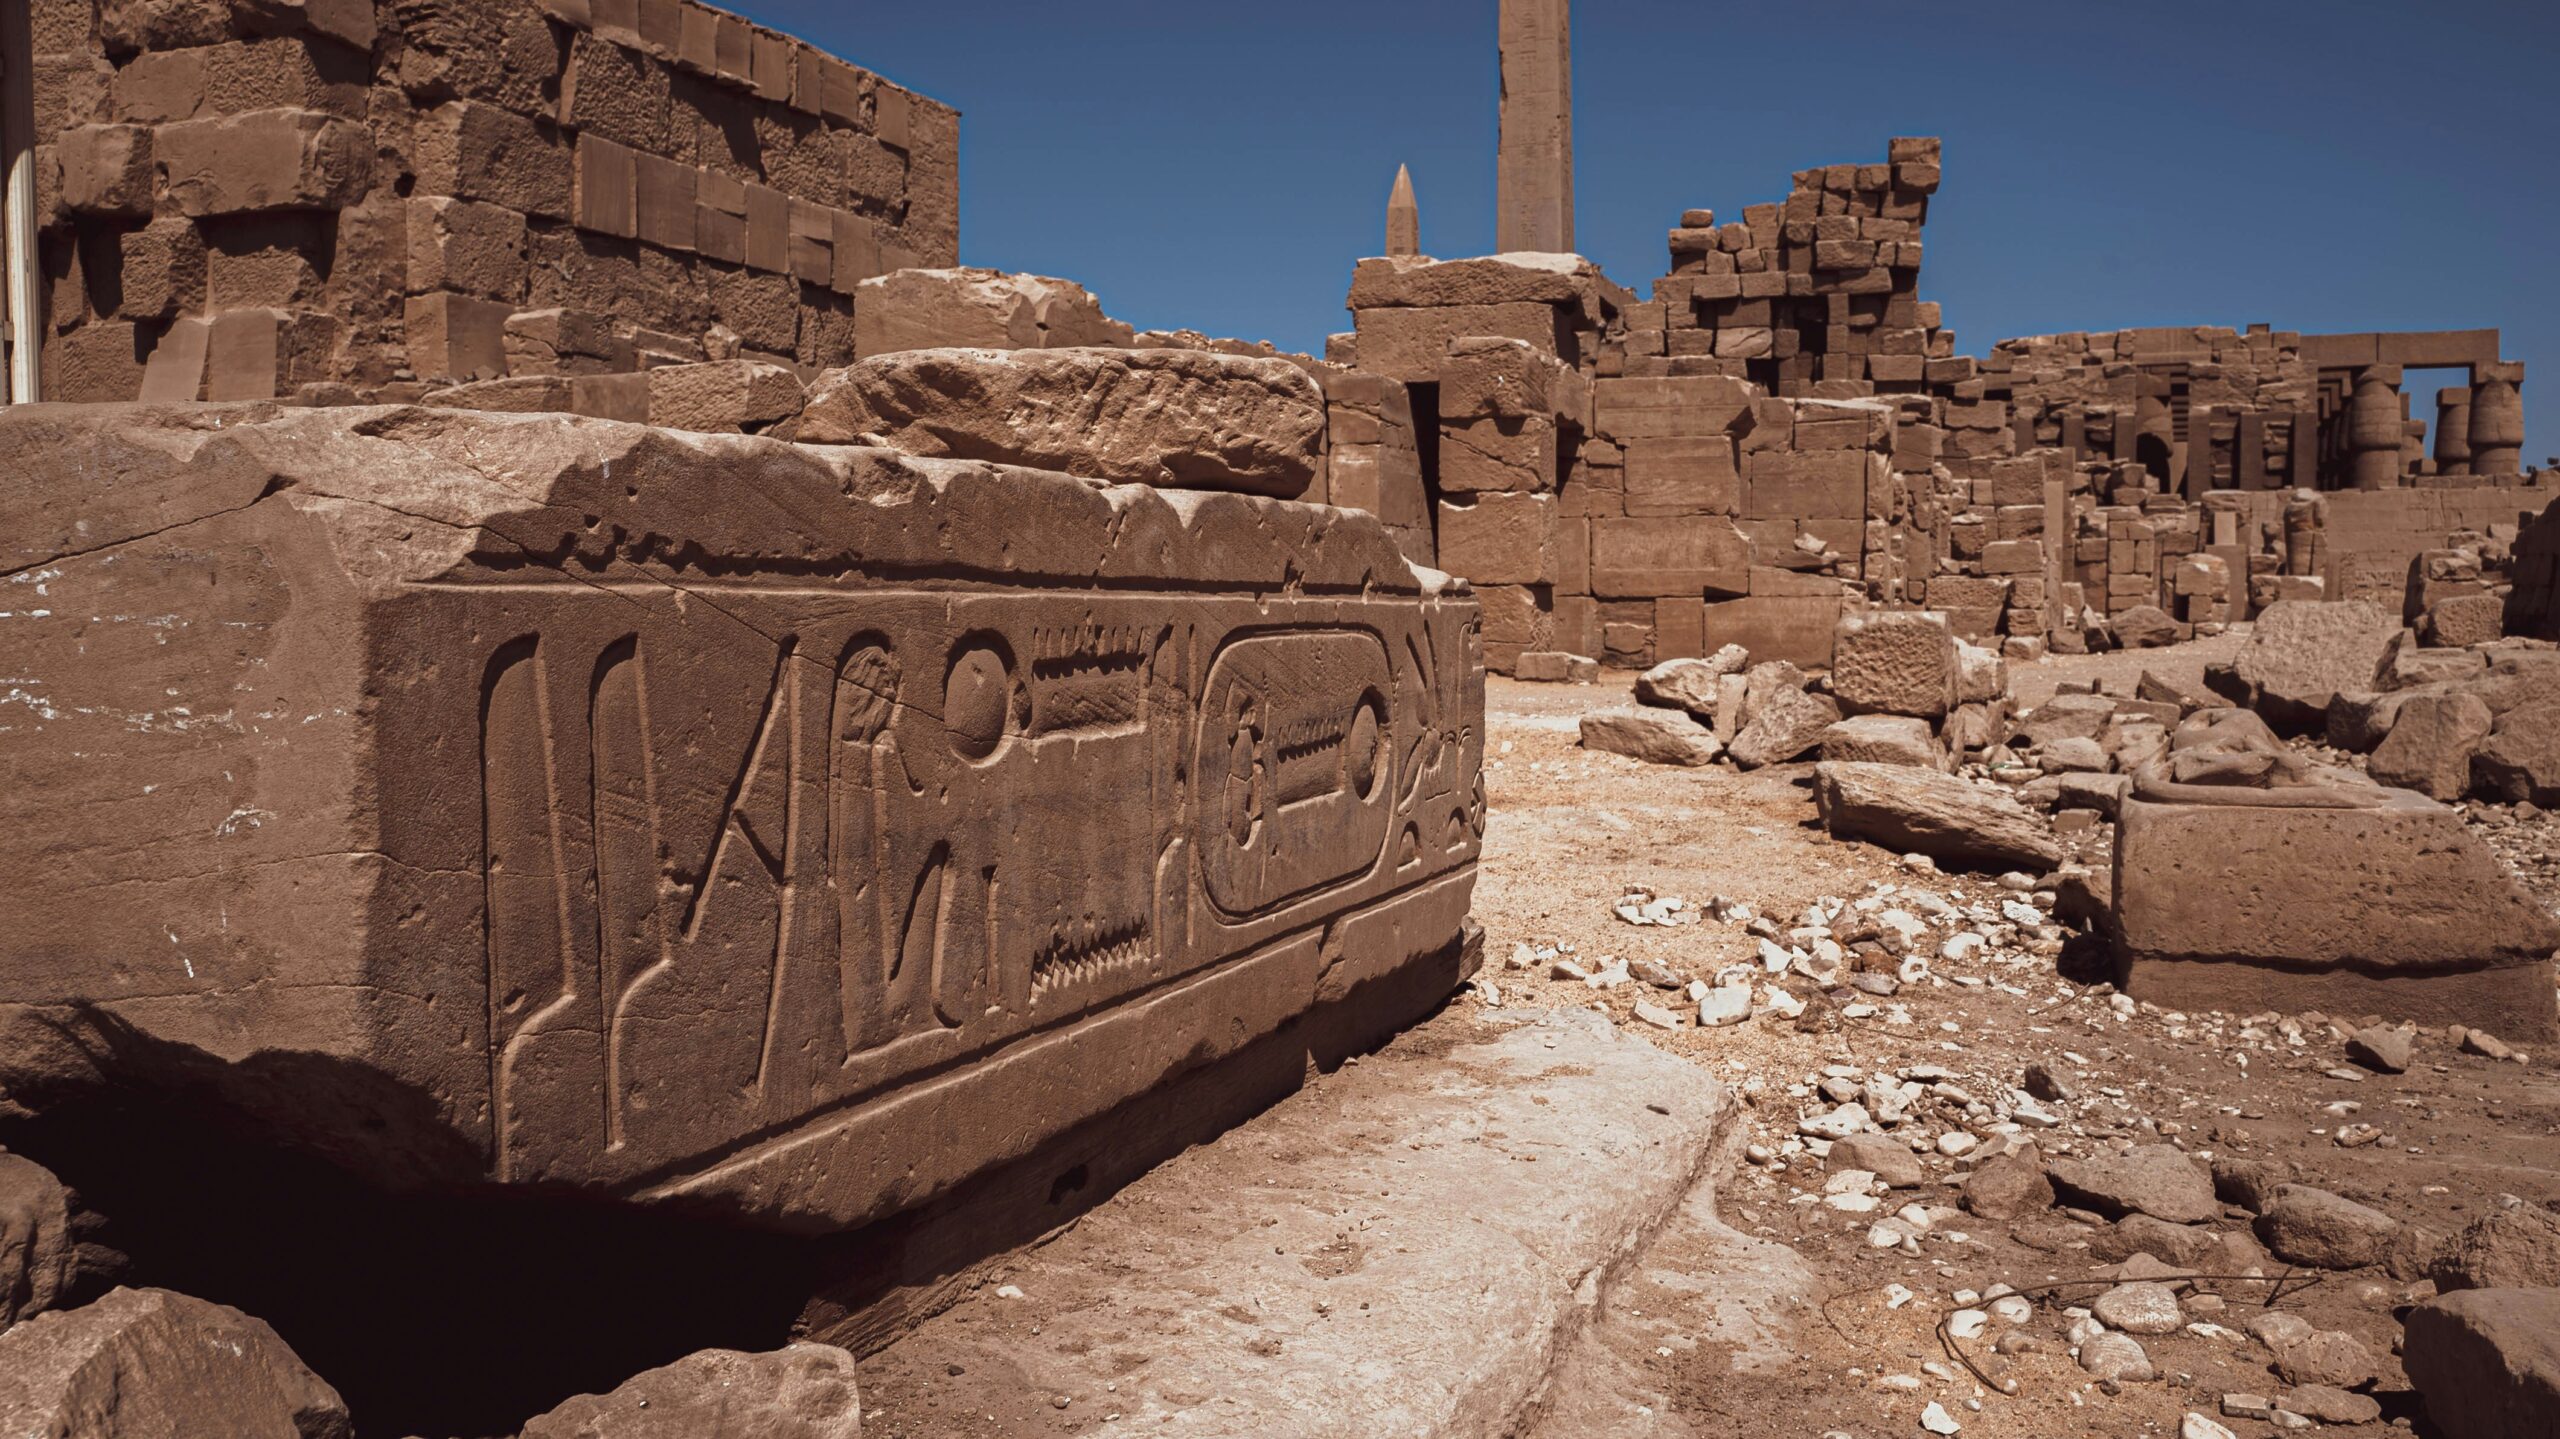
[[2332, 166]]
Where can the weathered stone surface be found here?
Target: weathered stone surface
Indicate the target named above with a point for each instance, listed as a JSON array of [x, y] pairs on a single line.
[[2515, 1247], [1949, 819], [1526, 278], [1690, 684], [1652, 735], [38, 1256], [699, 817], [805, 1391], [1185, 419], [2382, 1048], [2360, 720], [2143, 1307], [976, 309], [2154, 1179], [2393, 909], [1788, 723], [2327, 1356], [1894, 662], [2302, 652], [149, 1362], [1436, 1319], [2311, 1226], [1883, 739], [2330, 1404], [2431, 745], [2119, 1357], [2487, 1362], [2249, 1183], [2460, 620]]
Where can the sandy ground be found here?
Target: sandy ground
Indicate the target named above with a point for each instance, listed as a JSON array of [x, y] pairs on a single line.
[[1572, 830]]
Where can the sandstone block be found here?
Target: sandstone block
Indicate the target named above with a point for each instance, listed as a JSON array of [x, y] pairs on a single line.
[[1794, 628], [264, 160], [39, 1257], [2303, 652], [2431, 744], [2461, 620], [1184, 419], [105, 169], [1668, 557], [701, 819], [1883, 739], [1499, 539], [1900, 662], [2392, 909], [1787, 725], [1411, 344], [723, 396], [1393, 282], [465, 246], [1688, 683], [476, 151]]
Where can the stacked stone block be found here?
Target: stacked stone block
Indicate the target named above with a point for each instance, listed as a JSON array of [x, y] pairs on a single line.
[[1821, 289], [242, 200]]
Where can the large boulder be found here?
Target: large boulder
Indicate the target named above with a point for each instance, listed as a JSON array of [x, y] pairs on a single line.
[[2431, 745], [1939, 815], [805, 1391], [38, 1255], [2487, 1362], [2144, 627], [1899, 662], [2303, 652], [1788, 723], [145, 1362], [1184, 419], [1652, 735]]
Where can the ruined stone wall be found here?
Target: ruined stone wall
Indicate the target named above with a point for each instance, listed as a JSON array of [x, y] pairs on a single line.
[[345, 199]]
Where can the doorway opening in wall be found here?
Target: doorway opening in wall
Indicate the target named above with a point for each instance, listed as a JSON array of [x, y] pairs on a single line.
[[2152, 453], [2418, 389]]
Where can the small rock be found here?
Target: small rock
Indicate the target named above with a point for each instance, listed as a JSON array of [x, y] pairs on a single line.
[[1651, 1013], [1725, 1004], [2118, 1357], [2382, 1049], [1888, 1159], [2329, 1356], [2486, 1045], [2006, 1187], [1937, 1420], [2044, 1084], [2272, 1327], [1837, 1124], [2249, 1183], [2196, 1426], [2141, 1308], [1652, 973]]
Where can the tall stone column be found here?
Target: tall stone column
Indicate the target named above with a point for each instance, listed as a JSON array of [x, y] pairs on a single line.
[[2453, 430], [2374, 431], [2497, 420], [1533, 177], [1404, 218]]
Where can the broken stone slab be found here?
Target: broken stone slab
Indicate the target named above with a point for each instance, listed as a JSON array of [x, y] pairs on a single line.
[[2520, 760], [801, 1391], [2487, 1362], [1900, 662], [1507, 279], [1555, 667], [1265, 1309], [1883, 739], [2391, 908], [2301, 653], [677, 818], [1183, 419], [1788, 723], [977, 309], [1949, 819], [147, 1361], [1690, 684], [1652, 735]]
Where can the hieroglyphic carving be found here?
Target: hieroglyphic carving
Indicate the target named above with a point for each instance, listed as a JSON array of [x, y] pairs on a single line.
[[940, 821]]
